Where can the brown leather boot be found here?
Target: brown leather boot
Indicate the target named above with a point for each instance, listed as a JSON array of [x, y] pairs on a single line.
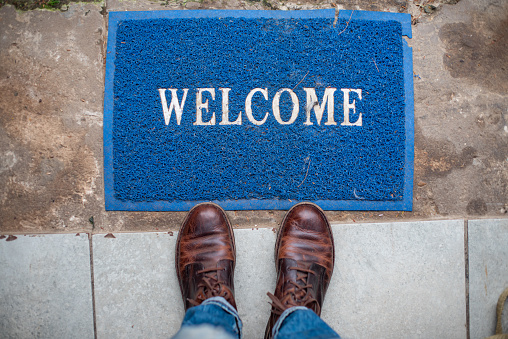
[[205, 256], [304, 258]]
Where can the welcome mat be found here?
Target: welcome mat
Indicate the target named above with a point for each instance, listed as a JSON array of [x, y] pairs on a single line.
[[258, 110]]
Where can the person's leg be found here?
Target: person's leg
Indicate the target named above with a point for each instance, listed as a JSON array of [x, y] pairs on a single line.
[[301, 322], [304, 259], [205, 262], [214, 318]]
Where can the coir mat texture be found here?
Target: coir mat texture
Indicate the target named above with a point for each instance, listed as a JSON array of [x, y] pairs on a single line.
[[258, 110]]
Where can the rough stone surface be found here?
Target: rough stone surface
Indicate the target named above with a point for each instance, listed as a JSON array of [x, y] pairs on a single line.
[[461, 139], [488, 274], [50, 119], [398, 280], [52, 83], [45, 287]]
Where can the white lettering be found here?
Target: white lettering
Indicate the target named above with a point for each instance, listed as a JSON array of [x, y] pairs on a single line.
[[203, 105], [248, 106], [348, 106], [174, 104], [312, 102], [276, 109], [225, 109]]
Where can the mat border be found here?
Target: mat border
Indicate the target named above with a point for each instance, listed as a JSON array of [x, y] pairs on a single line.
[[113, 204]]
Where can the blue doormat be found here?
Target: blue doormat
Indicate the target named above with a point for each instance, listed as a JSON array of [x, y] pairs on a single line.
[[258, 110]]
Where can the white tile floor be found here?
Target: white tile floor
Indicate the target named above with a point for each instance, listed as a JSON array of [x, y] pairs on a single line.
[[391, 280]]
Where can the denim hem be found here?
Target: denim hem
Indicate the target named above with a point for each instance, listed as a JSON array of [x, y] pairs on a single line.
[[283, 316], [226, 306]]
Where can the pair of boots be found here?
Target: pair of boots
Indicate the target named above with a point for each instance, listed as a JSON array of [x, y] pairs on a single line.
[[304, 259]]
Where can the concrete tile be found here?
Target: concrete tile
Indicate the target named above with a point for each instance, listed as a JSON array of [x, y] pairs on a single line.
[[254, 276], [488, 274], [45, 287], [391, 280], [136, 288], [137, 292], [398, 280]]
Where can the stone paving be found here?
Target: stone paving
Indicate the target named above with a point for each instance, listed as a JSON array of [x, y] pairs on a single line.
[[391, 280], [52, 84], [435, 272]]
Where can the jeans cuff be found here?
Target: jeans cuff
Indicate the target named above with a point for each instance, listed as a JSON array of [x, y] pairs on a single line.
[[283, 316], [223, 303]]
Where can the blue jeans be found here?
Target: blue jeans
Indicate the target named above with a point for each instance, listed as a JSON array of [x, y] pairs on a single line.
[[216, 318]]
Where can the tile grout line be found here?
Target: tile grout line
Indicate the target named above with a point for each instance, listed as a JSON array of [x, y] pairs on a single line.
[[466, 271], [93, 286]]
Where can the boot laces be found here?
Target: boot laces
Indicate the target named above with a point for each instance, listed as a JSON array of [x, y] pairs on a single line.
[[297, 294], [210, 286]]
